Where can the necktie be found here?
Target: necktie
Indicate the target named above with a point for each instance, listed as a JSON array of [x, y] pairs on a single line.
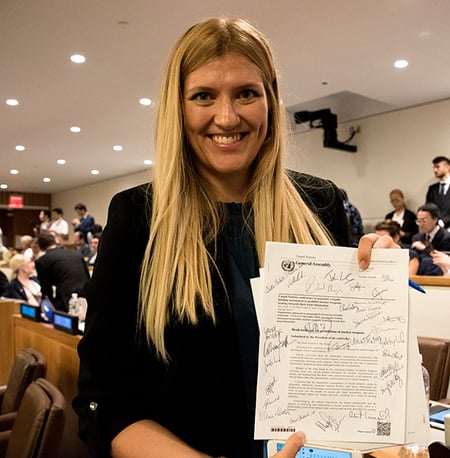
[[442, 189], [427, 240]]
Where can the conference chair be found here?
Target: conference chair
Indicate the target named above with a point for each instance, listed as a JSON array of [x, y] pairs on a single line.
[[436, 359], [39, 424], [28, 366]]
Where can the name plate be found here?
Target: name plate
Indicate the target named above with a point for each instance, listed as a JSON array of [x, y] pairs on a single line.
[[30, 312], [65, 322]]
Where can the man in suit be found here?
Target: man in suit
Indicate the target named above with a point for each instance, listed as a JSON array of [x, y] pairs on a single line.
[[61, 268], [430, 237], [438, 193]]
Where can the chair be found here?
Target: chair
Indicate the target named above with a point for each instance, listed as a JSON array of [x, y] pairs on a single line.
[[436, 359], [39, 424], [28, 366]]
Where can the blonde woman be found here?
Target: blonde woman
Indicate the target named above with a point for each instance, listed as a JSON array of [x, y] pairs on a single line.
[[23, 284], [169, 356]]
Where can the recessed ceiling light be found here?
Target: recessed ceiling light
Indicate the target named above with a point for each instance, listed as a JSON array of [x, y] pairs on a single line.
[[3, 186], [20, 148], [61, 161], [148, 162], [145, 101], [117, 147], [46, 179], [95, 172], [12, 102], [401, 63], [75, 129], [13, 171], [78, 59]]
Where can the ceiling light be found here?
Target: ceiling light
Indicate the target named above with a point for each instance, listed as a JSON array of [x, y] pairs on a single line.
[[95, 172], [61, 161], [20, 148], [78, 59], [3, 186], [148, 162], [401, 63], [46, 179], [12, 102], [13, 171], [117, 147], [75, 129], [145, 101]]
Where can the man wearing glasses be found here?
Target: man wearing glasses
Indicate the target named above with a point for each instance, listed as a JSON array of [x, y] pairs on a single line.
[[431, 236]]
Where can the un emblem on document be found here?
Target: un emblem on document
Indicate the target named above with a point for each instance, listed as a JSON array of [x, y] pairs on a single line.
[[287, 265]]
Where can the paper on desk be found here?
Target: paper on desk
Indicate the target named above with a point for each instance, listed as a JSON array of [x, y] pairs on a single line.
[[334, 345]]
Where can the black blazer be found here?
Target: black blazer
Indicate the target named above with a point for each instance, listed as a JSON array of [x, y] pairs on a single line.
[[443, 204], [121, 375], [65, 269], [409, 226], [440, 242]]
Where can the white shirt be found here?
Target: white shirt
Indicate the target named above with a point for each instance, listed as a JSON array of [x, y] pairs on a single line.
[[60, 226]]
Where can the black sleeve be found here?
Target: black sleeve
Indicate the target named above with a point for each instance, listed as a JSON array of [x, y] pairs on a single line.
[[44, 278], [325, 200], [108, 384]]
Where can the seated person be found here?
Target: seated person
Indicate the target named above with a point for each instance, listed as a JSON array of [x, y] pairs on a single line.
[[430, 237], [23, 284], [402, 215], [3, 283], [389, 227]]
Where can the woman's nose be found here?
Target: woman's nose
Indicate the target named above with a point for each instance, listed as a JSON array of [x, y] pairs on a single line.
[[226, 115]]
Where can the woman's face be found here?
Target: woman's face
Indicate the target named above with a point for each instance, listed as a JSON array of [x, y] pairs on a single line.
[[27, 268], [397, 201], [226, 118]]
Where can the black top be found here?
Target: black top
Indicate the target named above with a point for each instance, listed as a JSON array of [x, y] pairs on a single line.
[[206, 394]]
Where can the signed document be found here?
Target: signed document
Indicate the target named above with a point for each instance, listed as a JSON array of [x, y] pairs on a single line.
[[333, 355]]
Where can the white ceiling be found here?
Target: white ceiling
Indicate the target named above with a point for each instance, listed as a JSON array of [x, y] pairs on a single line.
[[350, 44]]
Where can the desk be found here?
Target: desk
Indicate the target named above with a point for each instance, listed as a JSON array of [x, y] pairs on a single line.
[[7, 309], [60, 352]]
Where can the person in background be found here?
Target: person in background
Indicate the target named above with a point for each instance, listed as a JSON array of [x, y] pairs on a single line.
[[389, 227], [25, 245], [354, 219], [403, 216], [79, 242], [37, 252], [23, 284], [58, 224], [168, 360], [94, 248], [430, 237], [442, 260], [437, 193], [44, 221], [84, 222], [61, 268]]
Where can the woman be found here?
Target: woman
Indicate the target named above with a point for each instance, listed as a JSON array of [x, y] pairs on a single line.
[[389, 227], [169, 357], [406, 218], [22, 285]]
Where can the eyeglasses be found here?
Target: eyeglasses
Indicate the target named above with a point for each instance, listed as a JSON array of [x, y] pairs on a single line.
[[422, 220]]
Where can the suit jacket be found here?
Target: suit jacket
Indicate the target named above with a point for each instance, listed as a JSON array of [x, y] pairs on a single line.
[[119, 372], [65, 269], [440, 242], [442, 202]]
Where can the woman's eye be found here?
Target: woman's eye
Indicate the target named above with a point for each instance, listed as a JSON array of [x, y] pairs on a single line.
[[201, 97], [248, 94]]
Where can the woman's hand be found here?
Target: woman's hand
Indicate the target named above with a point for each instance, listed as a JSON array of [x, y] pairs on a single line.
[[369, 241], [294, 443]]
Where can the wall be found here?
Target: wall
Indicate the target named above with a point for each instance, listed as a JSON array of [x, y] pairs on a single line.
[[394, 150]]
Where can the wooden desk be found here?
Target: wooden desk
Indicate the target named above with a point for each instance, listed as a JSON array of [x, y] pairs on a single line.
[[7, 309], [60, 351]]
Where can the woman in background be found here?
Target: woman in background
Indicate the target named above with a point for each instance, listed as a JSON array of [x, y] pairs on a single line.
[[23, 284], [406, 218]]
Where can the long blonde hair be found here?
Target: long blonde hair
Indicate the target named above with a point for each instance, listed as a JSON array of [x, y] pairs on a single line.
[[175, 275]]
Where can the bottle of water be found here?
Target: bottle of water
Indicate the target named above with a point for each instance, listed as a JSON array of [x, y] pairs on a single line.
[[74, 304], [426, 380]]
